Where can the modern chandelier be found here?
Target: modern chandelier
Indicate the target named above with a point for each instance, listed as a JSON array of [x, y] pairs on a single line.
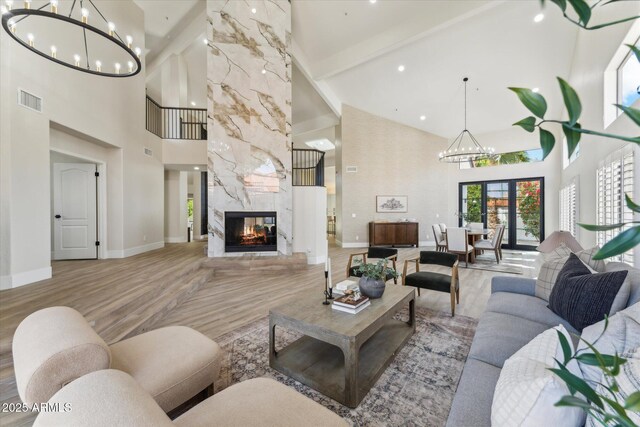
[[79, 44], [458, 151]]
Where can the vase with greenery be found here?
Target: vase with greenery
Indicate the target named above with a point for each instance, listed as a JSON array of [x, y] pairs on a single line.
[[374, 276]]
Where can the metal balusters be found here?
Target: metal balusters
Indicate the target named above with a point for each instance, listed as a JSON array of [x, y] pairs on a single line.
[[176, 123], [308, 167]]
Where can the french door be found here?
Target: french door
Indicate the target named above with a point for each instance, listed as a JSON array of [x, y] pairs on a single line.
[[516, 203]]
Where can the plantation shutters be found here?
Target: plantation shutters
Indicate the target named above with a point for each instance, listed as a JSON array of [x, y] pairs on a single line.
[[614, 180], [569, 207]]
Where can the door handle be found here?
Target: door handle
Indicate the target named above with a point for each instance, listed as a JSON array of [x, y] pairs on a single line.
[[58, 216]]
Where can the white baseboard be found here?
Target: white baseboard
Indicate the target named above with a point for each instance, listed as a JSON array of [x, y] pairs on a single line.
[[355, 245], [339, 242], [24, 278], [178, 239], [124, 253]]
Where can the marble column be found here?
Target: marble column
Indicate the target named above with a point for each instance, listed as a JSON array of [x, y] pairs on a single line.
[[249, 108]]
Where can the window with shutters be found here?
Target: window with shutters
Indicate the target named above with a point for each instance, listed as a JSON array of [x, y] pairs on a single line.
[[614, 180], [569, 207]]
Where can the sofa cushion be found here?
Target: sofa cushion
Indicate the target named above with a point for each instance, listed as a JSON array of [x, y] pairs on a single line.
[[526, 307], [53, 347], [472, 403], [583, 298], [622, 335], [259, 402], [173, 364], [429, 280], [104, 398], [633, 277], [526, 392], [499, 336]]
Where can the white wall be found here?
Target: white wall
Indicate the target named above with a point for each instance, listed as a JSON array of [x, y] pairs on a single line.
[[513, 139], [175, 206], [310, 223], [392, 159], [105, 109], [594, 51]]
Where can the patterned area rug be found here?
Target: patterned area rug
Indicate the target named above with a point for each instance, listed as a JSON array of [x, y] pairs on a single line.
[[487, 261], [415, 390]]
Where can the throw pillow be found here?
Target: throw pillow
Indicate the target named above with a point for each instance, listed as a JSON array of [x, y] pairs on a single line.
[[582, 298], [555, 260], [628, 382], [622, 335], [527, 390]]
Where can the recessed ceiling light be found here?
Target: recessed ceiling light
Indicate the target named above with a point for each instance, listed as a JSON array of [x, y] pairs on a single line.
[[264, 71], [423, 117], [193, 103], [538, 18], [535, 90], [196, 168], [401, 68], [205, 41], [372, 1], [254, 10]]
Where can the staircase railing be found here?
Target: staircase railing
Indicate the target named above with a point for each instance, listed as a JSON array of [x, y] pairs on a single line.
[[308, 167], [176, 122]]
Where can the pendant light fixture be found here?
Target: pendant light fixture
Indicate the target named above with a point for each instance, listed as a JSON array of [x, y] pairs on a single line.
[[92, 43], [463, 149]]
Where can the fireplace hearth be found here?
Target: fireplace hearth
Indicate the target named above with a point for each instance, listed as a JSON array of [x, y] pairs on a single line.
[[250, 232]]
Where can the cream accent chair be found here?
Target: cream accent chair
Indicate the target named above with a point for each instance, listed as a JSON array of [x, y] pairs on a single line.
[[476, 226], [458, 243], [56, 345], [441, 243], [495, 244], [112, 398], [443, 227]]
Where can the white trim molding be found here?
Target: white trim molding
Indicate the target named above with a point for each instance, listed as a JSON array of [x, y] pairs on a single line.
[[124, 253], [179, 239], [24, 278]]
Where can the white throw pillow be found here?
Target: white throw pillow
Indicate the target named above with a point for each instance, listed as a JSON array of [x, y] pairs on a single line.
[[527, 390], [628, 382], [621, 336]]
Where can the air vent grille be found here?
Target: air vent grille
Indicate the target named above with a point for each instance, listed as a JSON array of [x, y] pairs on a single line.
[[352, 169], [29, 100], [148, 151]]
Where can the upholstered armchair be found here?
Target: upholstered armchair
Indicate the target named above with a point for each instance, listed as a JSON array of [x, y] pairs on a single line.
[[435, 281], [373, 252], [458, 243], [441, 242], [495, 244]]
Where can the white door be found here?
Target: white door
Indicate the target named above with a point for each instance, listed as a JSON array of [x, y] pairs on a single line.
[[74, 211]]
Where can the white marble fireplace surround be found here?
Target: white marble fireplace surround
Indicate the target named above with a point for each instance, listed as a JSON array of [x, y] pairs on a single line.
[[249, 115]]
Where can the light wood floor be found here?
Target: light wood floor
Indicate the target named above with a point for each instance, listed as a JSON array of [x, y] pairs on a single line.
[[168, 287]]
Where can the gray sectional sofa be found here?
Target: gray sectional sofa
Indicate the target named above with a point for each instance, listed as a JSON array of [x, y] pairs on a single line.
[[514, 316]]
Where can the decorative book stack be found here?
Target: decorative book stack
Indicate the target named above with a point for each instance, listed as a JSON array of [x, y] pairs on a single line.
[[344, 286], [353, 303]]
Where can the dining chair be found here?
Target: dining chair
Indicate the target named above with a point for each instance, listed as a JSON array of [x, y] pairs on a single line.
[[494, 244], [441, 243], [443, 227], [440, 282], [458, 243], [476, 226]]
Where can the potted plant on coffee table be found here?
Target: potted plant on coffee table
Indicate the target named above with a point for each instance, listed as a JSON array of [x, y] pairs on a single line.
[[374, 277]]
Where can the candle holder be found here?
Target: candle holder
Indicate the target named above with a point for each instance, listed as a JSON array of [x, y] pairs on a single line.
[[328, 292]]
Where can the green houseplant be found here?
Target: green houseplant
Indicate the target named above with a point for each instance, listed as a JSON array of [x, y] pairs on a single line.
[[374, 276]]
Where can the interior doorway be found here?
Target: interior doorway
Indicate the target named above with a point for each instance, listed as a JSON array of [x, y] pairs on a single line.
[[516, 203], [74, 208]]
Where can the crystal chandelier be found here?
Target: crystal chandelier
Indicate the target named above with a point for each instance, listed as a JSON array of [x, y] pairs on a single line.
[[109, 56], [458, 151]]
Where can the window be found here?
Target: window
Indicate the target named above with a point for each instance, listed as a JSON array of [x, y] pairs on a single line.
[[629, 80], [569, 207], [511, 158], [614, 180], [566, 160]]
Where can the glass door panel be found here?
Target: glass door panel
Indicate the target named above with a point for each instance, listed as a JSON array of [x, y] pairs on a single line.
[[471, 204], [498, 207], [528, 219]]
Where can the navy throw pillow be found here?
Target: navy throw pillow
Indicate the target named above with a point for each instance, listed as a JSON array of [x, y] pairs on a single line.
[[582, 298]]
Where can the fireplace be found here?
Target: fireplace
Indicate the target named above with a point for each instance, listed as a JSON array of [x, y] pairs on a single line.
[[250, 232]]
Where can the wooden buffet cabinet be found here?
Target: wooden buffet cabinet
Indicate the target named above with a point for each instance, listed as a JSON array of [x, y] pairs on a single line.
[[393, 233]]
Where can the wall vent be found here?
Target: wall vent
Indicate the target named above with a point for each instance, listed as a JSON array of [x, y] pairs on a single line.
[[29, 100], [352, 169], [148, 151]]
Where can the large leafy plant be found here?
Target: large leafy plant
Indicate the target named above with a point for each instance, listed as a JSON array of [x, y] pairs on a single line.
[[605, 404], [573, 130], [377, 271]]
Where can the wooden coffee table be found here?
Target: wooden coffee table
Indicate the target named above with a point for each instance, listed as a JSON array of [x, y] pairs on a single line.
[[341, 355]]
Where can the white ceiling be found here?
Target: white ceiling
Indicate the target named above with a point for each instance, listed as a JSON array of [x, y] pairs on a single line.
[[496, 44]]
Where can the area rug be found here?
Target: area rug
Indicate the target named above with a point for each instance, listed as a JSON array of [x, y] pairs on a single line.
[[415, 390], [487, 261]]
